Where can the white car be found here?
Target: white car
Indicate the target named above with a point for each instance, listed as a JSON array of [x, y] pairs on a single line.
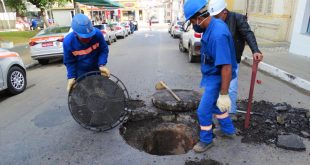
[[176, 29], [47, 44], [119, 30], [12, 72], [127, 26], [107, 32], [190, 42]]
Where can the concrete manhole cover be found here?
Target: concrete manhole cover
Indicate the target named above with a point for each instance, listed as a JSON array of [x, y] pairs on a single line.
[[162, 135], [190, 99]]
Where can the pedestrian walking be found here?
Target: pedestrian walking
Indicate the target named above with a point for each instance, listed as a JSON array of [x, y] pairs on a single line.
[[218, 65], [150, 24], [241, 32], [85, 50]]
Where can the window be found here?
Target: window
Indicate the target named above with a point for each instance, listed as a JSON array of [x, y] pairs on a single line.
[[308, 29], [269, 6], [252, 6], [260, 6]]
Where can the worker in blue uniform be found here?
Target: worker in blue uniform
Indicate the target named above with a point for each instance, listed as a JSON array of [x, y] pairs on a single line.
[[218, 65], [85, 50]]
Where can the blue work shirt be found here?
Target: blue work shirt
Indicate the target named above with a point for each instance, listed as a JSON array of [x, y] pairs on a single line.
[[81, 58], [217, 49]]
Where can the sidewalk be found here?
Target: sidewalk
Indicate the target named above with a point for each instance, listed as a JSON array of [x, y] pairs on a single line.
[[294, 69]]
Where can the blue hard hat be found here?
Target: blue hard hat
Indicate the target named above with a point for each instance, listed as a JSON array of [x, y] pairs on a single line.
[[191, 7], [82, 26]]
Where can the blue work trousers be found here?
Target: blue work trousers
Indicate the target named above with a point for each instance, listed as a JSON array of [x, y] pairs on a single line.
[[233, 92], [207, 108]]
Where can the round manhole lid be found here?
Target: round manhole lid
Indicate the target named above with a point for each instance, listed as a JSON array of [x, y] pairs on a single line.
[[189, 100], [98, 103]]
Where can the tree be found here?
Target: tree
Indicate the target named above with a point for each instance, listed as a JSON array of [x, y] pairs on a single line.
[[18, 5], [46, 4]]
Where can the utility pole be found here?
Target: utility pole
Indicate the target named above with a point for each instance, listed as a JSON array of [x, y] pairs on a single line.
[[8, 22]]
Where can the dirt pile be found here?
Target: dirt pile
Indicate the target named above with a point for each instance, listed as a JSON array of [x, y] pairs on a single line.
[[276, 119]]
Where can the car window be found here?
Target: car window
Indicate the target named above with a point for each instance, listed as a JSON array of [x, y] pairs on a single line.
[[54, 30], [180, 23]]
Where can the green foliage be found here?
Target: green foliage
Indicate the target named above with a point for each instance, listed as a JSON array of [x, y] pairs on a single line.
[[45, 4], [18, 5]]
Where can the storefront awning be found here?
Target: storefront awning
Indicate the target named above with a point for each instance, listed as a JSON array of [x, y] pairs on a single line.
[[100, 3]]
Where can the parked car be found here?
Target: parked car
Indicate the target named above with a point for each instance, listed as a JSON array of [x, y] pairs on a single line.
[[154, 19], [190, 42], [127, 26], [47, 44], [12, 72], [107, 32], [119, 30], [176, 29]]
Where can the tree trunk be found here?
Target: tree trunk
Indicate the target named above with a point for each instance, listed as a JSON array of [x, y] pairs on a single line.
[[43, 14]]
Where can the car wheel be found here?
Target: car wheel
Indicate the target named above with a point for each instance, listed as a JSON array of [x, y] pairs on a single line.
[[43, 61], [191, 58], [109, 41], [115, 39], [16, 80], [181, 47]]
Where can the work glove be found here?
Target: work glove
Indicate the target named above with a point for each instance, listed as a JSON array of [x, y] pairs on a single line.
[[223, 103], [104, 71], [70, 84]]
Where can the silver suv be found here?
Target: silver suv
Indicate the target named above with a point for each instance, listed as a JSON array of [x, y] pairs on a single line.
[[190, 42], [12, 72]]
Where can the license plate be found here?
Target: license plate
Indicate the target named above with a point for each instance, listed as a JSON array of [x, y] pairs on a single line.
[[46, 44]]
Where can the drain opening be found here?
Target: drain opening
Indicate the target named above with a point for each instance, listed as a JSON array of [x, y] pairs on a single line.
[[168, 141], [159, 137]]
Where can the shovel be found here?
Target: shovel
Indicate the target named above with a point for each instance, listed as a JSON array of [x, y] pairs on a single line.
[[249, 108], [161, 85]]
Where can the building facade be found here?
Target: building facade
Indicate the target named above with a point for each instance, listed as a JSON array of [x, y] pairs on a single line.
[[173, 10], [133, 10], [300, 43], [269, 19]]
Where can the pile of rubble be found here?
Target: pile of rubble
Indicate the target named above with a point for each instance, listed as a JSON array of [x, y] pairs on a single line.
[[279, 124]]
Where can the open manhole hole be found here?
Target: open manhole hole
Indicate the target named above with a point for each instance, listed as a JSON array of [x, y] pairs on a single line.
[[190, 99], [164, 135]]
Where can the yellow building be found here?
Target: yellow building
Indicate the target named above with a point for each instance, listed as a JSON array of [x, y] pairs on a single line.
[[269, 19], [133, 10]]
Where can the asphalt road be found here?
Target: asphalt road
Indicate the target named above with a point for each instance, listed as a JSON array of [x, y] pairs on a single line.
[[37, 128]]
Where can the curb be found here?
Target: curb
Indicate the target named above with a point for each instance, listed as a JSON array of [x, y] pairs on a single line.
[[279, 73]]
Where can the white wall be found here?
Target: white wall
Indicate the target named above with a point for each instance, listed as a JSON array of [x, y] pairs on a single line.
[[62, 17], [300, 43]]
